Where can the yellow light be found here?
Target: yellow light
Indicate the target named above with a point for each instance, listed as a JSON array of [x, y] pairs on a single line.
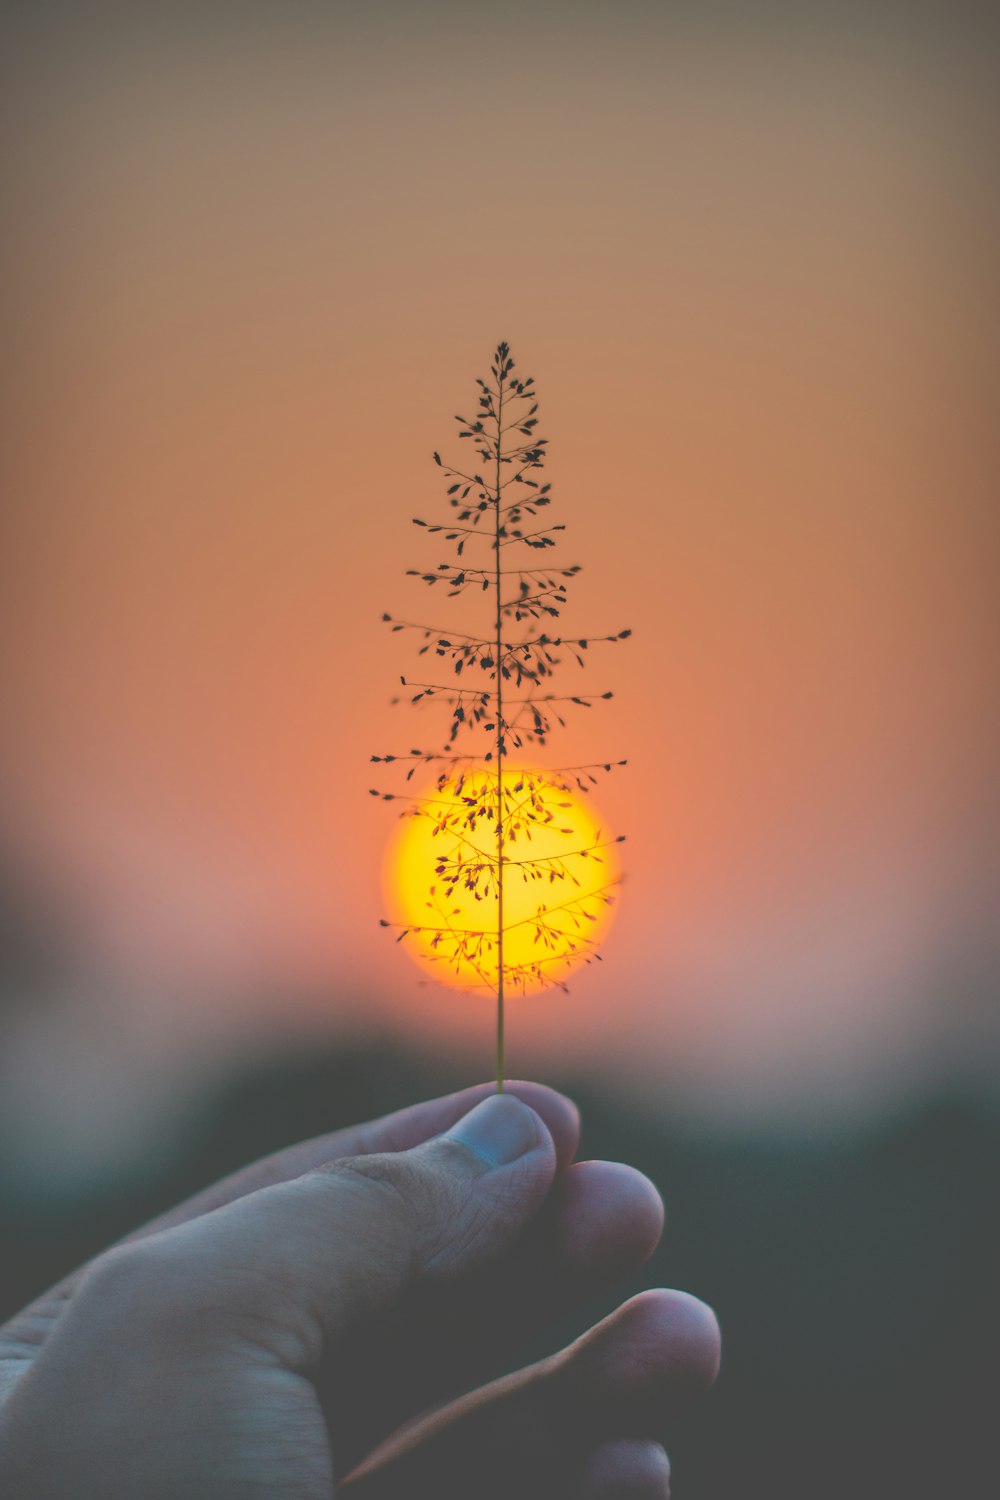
[[559, 880]]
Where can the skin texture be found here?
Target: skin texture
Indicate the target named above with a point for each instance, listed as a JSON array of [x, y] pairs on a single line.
[[327, 1322]]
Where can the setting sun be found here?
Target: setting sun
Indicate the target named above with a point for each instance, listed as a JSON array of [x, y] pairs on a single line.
[[561, 871]]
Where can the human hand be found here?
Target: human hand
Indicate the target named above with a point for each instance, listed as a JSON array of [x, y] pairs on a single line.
[[281, 1334]]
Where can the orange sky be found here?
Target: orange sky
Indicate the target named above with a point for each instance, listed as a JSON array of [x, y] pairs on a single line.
[[253, 270]]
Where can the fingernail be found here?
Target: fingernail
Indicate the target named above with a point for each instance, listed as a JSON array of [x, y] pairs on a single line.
[[498, 1130]]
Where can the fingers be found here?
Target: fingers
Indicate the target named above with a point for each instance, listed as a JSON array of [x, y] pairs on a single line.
[[601, 1222], [291, 1270], [608, 1218], [544, 1433], [629, 1469]]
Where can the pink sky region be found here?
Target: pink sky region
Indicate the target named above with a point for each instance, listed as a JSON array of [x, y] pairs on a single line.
[[251, 273]]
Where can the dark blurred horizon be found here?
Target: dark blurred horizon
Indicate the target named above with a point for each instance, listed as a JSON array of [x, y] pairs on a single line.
[[97, 1085]]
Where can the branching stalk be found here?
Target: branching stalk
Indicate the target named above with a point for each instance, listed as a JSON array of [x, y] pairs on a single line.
[[486, 807]]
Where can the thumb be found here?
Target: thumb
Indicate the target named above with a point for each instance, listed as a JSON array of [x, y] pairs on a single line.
[[292, 1269]]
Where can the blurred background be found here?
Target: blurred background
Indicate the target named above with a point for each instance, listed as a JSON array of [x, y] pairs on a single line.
[[254, 257]]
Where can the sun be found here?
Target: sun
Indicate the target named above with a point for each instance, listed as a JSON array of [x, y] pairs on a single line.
[[560, 880]]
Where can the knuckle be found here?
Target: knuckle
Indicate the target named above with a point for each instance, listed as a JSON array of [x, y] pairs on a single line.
[[123, 1279], [432, 1209], [171, 1294], [426, 1204], [393, 1182], [457, 1237], [119, 1277]]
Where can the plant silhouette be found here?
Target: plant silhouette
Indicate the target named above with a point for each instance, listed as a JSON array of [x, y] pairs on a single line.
[[487, 808]]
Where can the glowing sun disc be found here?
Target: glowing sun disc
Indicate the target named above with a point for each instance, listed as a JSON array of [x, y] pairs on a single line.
[[559, 885]]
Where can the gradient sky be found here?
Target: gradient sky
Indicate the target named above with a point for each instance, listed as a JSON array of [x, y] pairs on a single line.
[[253, 265]]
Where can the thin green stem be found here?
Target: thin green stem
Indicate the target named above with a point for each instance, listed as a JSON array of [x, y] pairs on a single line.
[[500, 742]]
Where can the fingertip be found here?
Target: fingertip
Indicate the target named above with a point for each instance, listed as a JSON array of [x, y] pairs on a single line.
[[629, 1469], [559, 1113], [419, 1123], [500, 1130], [671, 1333], [607, 1216], [656, 1350]]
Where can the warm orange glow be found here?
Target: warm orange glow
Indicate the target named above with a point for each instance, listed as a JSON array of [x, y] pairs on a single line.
[[748, 276], [559, 884]]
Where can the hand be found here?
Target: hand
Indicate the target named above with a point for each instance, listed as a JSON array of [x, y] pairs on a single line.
[[281, 1334]]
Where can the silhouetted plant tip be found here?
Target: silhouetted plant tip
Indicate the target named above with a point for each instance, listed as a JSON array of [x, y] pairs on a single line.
[[497, 699]]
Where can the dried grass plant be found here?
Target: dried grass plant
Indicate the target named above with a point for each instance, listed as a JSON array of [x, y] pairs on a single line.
[[500, 699]]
